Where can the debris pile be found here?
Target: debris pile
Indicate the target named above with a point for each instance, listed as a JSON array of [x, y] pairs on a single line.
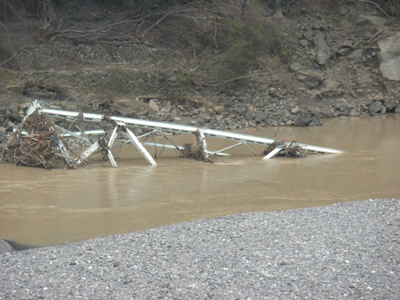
[[39, 146], [291, 149], [198, 150]]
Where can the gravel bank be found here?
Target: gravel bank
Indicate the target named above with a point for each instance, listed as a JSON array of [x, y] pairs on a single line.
[[343, 251]]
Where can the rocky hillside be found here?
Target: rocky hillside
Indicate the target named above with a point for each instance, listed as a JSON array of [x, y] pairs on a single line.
[[218, 64]]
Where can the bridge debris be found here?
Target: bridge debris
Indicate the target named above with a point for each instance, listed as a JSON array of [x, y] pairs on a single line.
[[284, 148], [40, 145], [39, 142]]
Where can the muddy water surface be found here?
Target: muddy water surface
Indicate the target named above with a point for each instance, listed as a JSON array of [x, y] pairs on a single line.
[[39, 207]]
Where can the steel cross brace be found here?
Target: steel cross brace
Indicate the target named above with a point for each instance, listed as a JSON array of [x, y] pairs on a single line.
[[129, 134], [235, 145]]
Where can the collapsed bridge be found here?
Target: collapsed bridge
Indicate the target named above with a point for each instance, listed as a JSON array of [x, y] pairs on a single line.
[[122, 126]]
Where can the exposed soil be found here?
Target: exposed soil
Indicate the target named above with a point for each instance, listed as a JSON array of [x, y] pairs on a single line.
[[318, 59]]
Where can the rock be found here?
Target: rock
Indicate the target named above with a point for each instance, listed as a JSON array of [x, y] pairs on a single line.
[[304, 43], [153, 104], [320, 112], [232, 126], [295, 67], [5, 247], [303, 119], [259, 119], [272, 122], [378, 97], [273, 92], [295, 111], [347, 43], [330, 89], [168, 107], [242, 111], [341, 105], [369, 101], [397, 110], [378, 21], [344, 51], [389, 57], [289, 123], [354, 113], [319, 26], [356, 55], [375, 107], [323, 51], [311, 78], [333, 51], [390, 106], [219, 109], [308, 34], [315, 121]]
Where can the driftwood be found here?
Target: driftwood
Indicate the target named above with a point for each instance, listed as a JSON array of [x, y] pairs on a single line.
[[40, 147], [289, 149], [198, 150]]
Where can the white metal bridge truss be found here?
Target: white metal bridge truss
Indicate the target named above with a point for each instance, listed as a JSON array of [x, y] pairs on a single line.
[[123, 125]]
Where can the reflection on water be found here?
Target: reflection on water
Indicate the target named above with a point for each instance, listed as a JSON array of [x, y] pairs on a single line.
[[39, 207]]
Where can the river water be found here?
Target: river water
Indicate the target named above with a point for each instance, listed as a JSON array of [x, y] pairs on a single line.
[[39, 207]]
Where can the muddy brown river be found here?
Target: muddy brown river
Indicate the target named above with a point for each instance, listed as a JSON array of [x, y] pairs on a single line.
[[39, 207]]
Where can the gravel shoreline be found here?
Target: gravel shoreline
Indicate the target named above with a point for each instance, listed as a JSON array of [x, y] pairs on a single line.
[[343, 251]]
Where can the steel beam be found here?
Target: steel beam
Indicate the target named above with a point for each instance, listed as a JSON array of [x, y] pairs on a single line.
[[176, 128], [139, 146], [274, 152]]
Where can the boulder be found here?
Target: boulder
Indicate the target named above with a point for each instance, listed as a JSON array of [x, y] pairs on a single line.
[[323, 51], [308, 34], [295, 111], [304, 43], [354, 113], [330, 89], [315, 121], [153, 104], [295, 67], [378, 97], [344, 51], [390, 106], [375, 107], [311, 78], [356, 55], [389, 57], [303, 119]]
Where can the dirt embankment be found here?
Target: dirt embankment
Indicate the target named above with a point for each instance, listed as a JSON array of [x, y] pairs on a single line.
[[223, 65]]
